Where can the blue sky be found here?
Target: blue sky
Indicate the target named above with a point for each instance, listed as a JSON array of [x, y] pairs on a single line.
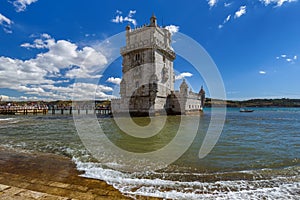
[[48, 47]]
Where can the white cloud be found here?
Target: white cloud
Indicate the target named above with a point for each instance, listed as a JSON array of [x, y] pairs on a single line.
[[62, 54], [60, 61], [4, 98], [240, 12], [15, 72], [113, 80], [90, 91], [6, 23], [225, 21], [262, 72], [21, 5], [4, 20], [183, 75], [43, 42], [129, 18], [287, 58], [278, 3], [78, 91], [131, 13], [172, 28], [81, 72], [266, 2], [212, 3], [226, 5], [237, 14]]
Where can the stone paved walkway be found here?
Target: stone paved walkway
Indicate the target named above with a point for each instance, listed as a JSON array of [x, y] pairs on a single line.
[[15, 193], [44, 176]]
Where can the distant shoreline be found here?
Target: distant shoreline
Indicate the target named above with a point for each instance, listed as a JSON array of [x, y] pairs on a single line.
[[283, 102]]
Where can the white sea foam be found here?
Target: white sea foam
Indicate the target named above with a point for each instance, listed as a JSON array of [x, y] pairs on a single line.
[[6, 119], [134, 184]]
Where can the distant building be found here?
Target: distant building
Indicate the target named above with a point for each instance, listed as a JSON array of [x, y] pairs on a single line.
[[147, 85]]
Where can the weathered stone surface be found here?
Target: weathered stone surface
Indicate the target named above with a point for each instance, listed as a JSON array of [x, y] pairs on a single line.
[[47, 176], [3, 187], [16, 193]]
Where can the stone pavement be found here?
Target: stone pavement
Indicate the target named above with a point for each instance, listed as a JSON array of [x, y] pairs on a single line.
[[14, 186], [15, 193], [48, 176]]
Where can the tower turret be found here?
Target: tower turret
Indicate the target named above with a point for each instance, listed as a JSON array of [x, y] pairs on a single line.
[[184, 88], [128, 27], [153, 21], [202, 96]]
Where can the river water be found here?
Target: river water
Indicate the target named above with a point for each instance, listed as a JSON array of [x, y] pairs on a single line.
[[256, 157]]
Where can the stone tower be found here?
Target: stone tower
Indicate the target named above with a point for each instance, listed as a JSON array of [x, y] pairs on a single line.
[[147, 86], [148, 74]]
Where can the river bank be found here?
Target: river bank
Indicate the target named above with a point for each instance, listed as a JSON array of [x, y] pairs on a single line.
[[48, 176]]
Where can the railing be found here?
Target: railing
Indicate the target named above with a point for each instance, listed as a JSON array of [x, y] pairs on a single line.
[[52, 110]]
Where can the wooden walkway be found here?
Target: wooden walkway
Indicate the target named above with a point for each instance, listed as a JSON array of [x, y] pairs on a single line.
[[24, 111], [63, 111]]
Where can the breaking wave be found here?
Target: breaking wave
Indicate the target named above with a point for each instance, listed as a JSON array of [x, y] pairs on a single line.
[[256, 184]]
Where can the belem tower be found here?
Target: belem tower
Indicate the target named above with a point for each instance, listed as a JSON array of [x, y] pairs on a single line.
[[147, 86]]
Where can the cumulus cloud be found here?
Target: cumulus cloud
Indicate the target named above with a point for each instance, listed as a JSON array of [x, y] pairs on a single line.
[[90, 91], [21, 5], [4, 98], [43, 42], [113, 80], [172, 28], [278, 3], [60, 62], [129, 18], [212, 3], [240, 12], [183, 75], [62, 54], [5, 23], [77, 91]]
